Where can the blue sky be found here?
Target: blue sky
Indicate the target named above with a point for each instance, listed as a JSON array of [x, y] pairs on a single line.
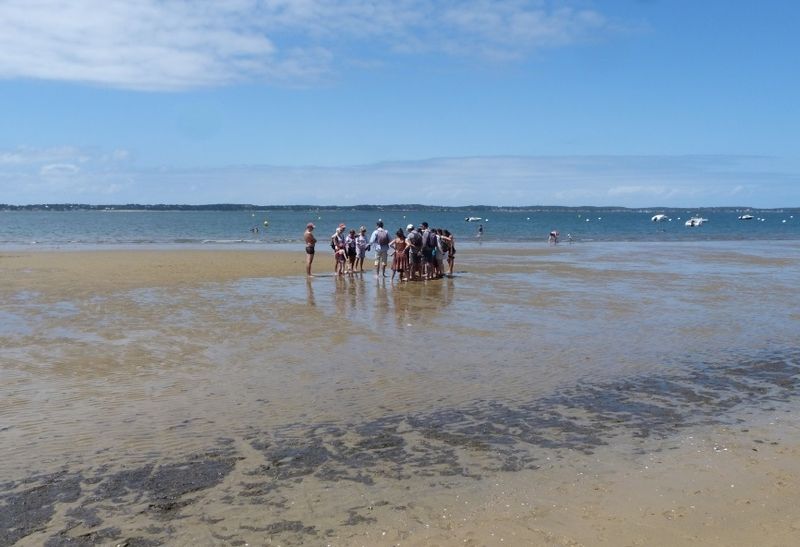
[[586, 102]]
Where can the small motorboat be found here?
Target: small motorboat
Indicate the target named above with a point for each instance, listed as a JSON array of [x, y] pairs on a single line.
[[472, 219], [746, 217], [659, 218], [695, 221]]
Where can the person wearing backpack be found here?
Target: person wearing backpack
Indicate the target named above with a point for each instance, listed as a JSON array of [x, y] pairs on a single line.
[[379, 242], [428, 250], [414, 246]]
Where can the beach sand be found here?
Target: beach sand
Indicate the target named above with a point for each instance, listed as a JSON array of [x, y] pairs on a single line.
[[220, 397]]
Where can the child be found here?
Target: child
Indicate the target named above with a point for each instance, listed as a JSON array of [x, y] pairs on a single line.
[[340, 255]]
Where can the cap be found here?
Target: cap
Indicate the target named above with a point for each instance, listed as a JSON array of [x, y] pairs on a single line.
[[409, 227], [310, 225]]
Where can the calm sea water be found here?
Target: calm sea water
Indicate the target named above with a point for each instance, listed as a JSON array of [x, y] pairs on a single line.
[[188, 228]]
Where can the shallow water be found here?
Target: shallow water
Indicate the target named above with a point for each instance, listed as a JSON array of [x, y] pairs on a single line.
[[274, 391]]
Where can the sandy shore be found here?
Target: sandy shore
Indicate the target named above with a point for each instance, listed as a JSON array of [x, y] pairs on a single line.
[[234, 402], [68, 272]]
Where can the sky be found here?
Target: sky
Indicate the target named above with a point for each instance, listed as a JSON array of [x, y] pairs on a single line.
[[635, 103]]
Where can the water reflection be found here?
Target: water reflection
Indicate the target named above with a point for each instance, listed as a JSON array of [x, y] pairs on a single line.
[[383, 303], [310, 300]]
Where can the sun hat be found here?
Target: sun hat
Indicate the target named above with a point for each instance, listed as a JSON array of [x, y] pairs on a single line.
[[310, 225], [342, 225], [409, 227], [362, 229]]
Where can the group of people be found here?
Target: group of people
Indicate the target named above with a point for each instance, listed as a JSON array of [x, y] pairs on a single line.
[[418, 253]]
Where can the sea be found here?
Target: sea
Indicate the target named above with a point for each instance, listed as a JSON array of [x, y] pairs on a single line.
[[247, 228]]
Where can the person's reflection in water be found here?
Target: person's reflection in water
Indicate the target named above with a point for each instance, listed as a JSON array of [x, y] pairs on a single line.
[[340, 296], [310, 292], [420, 304]]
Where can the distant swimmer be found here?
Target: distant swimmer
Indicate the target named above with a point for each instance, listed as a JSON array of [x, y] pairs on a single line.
[[480, 231]]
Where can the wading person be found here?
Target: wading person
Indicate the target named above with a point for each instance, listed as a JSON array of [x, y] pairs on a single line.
[[414, 244], [351, 248], [337, 240], [400, 257], [311, 241], [379, 241], [361, 248]]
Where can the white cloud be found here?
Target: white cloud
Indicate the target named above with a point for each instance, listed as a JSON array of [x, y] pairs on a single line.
[[180, 44], [92, 176], [58, 169]]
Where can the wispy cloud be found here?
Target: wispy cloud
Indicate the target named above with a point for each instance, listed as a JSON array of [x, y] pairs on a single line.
[[93, 176], [156, 45]]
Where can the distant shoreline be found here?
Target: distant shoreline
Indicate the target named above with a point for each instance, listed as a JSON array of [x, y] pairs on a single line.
[[389, 208]]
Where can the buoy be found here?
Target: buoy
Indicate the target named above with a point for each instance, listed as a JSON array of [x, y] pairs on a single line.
[[266, 223]]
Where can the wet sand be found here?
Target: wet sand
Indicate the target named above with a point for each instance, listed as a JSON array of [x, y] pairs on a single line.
[[219, 397]]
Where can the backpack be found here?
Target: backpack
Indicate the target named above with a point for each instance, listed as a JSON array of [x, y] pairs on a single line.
[[416, 239], [428, 240], [333, 243], [383, 238]]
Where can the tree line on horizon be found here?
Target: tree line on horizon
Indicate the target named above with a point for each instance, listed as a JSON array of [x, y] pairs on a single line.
[[390, 208]]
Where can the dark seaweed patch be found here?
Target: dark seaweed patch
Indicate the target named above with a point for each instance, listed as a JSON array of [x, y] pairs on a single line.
[[468, 441], [23, 513]]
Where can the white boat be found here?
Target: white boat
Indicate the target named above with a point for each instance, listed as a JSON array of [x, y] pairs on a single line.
[[695, 221], [472, 219], [659, 218], [746, 217]]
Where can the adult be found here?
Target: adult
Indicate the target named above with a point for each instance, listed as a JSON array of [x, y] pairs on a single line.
[[428, 251], [361, 248], [310, 241], [350, 248], [414, 244], [552, 239], [400, 257], [337, 242], [379, 241], [451, 251], [442, 248]]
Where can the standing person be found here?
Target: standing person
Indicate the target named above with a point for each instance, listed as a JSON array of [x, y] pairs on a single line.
[[310, 241], [379, 241], [428, 250], [361, 248], [400, 258], [337, 240], [340, 257], [350, 249], [414, 243], [442, 248], [451, 251], [480, 231]]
